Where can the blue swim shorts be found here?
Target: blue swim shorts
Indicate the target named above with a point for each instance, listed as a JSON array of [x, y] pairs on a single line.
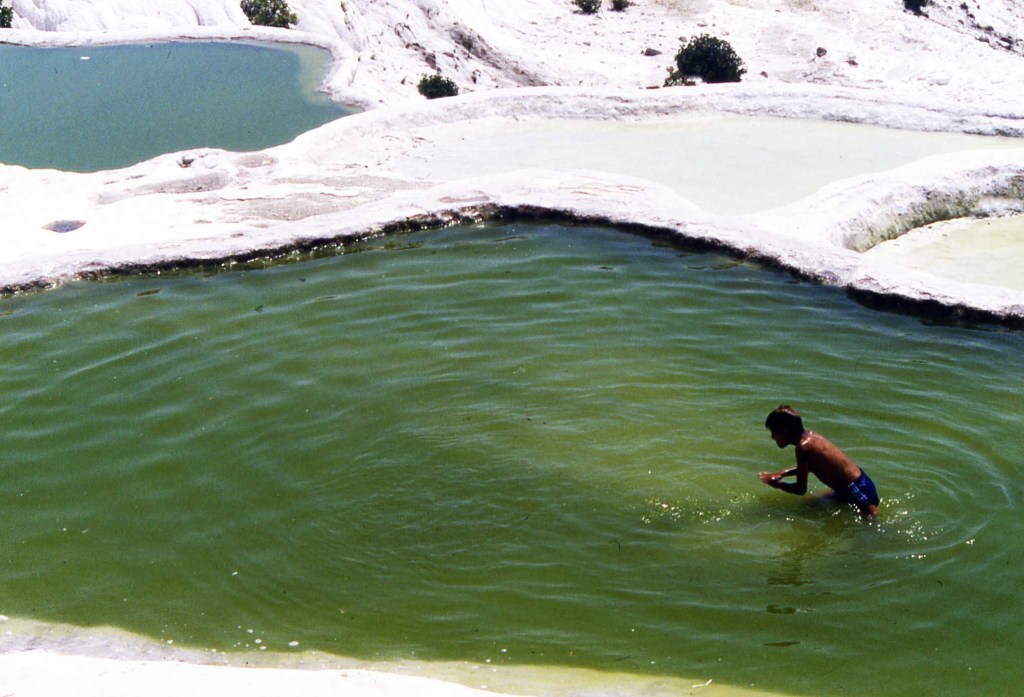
[[860, 492]]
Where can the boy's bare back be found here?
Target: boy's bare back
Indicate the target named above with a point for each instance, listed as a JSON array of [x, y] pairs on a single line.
[[825, 461]]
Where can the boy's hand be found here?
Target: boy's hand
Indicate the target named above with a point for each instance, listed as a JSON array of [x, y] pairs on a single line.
[[770, 478]]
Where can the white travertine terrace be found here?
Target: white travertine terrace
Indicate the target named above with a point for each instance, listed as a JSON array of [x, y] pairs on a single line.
[[358, 176], [539, 71]]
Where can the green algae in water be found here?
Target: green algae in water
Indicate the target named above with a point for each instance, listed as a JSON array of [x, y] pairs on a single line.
[[92, 108], [526, 444]]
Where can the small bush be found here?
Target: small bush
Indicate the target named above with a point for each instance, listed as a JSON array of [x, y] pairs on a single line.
[[269, 13], [620, 5], [707, 57], [588, 7], [6, 17], [916, 6], [435, 86]]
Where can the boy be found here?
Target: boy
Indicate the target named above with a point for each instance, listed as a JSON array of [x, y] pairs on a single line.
[[819, 456]]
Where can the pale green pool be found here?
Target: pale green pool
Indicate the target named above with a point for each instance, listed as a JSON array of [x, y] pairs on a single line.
[[92, 108], [989, 251], [532, 445]]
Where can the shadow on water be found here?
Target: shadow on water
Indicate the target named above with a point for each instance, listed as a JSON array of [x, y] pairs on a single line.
[[931, 312]]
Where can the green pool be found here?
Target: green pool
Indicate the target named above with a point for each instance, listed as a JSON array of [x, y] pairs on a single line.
[[92, 108], [529, 445]]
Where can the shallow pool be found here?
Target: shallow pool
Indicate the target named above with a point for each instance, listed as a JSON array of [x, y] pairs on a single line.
[[91, 108], [987, 250], [530, 445], [727, 165]]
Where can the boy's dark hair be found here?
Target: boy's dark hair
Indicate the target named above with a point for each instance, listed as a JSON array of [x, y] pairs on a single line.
[[784, 418]]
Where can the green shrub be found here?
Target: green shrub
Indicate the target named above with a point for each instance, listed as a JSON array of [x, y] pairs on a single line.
[[707, 57], [435, 86], [588, 7], [916, 6], [269, 13], [620, 5], [6, 16]]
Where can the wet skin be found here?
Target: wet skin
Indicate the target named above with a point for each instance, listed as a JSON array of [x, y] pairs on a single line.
[[815, 455]]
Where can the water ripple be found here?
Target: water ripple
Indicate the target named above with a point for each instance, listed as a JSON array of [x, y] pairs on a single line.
[[525, 436]]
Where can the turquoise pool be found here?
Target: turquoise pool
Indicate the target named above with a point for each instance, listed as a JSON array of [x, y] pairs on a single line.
[[92, 108]]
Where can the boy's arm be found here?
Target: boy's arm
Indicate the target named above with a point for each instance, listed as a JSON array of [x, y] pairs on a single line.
[[774, 479], [769, 477]]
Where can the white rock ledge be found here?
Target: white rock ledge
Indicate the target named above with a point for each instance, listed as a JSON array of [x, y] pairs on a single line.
[[346, 180]]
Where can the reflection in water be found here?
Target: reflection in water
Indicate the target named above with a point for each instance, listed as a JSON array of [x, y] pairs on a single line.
[[809, 541]]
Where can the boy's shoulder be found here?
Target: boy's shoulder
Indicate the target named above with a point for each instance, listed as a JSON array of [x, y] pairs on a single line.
[[812, 442]]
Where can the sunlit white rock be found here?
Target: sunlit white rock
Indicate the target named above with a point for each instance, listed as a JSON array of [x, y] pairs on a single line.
[[881, 65]]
